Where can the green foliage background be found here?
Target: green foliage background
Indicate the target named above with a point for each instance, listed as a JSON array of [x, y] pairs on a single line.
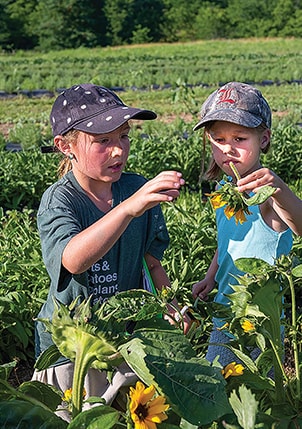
[[167, 143], [52, 24]]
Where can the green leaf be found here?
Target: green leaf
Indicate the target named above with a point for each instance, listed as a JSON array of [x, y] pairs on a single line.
[[297, 271], [245, 407], [260, 340], [96, 418], [193, 388], [42, 392], [6, 368], [252, 265], [134, 305], [17, 414], [186, 425], [260, 196], [48, 358], [245, 359]]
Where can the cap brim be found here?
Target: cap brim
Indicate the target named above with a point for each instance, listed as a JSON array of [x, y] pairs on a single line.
[[243, 118], [112, 119]]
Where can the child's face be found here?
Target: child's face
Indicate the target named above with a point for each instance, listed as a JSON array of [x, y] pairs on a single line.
[[102, 157], [235, 143]]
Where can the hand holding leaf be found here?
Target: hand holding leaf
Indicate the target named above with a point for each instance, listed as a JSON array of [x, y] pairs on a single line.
[[237, 203]]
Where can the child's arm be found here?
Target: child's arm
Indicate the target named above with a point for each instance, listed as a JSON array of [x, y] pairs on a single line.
[[91, 244], [202, 288], [284, 202]]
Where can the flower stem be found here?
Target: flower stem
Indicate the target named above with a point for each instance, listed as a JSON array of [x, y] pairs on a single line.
[[235, 171], [81, 366]]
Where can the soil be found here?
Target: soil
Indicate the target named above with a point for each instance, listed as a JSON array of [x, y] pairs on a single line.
[[21, 373]]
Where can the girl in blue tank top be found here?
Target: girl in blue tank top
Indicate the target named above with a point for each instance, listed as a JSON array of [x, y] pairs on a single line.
[[237, 122]]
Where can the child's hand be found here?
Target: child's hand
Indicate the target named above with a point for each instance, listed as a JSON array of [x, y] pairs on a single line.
[[162, 188], [258, 179], [175, 318], [202, 289]]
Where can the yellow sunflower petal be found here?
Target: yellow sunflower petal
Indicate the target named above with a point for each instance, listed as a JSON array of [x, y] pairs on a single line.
[[158, 418], [247, 326], [149, 425], [157, 406], [229, 212], [217, 201], [141, 394], [232, 369], [67, 395], [239, 369], [240, 216], [147, 394], [143, 425]]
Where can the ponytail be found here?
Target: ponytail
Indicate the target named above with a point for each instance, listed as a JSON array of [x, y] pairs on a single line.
[[65, 164]]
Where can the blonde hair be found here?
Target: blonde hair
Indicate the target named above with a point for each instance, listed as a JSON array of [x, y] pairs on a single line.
[[214, 172], [65, 163]]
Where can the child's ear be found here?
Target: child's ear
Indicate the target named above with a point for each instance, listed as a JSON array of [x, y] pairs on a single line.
[[265, 139], [62, 145]]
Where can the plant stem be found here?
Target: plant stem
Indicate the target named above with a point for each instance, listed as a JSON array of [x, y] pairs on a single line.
[[235, 171], [81, 365], [294, 336]]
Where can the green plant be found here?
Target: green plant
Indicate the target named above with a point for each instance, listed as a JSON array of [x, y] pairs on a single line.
[[255, 320], [28, 135], [23, 283], [98, 337], [285, 157], [24, 176]]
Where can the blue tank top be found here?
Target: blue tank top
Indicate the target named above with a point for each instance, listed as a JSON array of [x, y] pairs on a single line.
[[252, 239]]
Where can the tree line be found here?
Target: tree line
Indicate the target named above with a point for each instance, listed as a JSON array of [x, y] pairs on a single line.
[[56, 24]]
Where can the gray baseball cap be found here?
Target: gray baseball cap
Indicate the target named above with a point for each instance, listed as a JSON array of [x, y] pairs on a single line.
[[93, 109], [238, 103]]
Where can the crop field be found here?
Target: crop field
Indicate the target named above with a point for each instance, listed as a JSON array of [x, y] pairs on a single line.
[[173, 80]]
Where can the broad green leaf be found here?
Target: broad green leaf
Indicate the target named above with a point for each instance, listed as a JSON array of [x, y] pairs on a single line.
[[255, 382], [186, 425], [245, 407], [23, 414], [260, 340], [42, 392], [97, 417], [193, 388]]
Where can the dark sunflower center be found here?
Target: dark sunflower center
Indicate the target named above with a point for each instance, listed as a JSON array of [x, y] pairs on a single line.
[[141, 412]]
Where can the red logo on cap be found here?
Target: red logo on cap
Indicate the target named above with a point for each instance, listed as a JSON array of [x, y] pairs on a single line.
[[225, 96]]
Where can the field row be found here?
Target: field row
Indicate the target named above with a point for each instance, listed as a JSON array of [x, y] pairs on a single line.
[[153, 66]]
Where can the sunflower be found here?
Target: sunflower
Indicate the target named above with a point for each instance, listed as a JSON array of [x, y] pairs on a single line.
[[237, 203], [67, 398], [228, 196], [145, 410], [247, 326], [232, 369]]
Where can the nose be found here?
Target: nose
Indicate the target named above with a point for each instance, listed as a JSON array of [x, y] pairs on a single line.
[[117, 147], [228, 147]]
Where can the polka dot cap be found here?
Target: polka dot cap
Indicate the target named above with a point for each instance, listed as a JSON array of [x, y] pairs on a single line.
[[93, 109]]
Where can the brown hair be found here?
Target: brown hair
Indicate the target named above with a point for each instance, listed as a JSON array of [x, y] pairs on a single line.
[[213, 172], [65, 163]]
